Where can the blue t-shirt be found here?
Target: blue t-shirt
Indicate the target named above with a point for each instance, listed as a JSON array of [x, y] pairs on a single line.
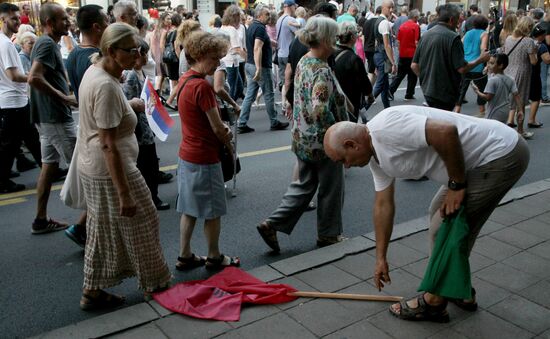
[[77, 64], [257, 31], [472, 47]]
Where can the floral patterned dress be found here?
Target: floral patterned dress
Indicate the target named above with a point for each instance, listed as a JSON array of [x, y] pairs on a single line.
[[319, 102]]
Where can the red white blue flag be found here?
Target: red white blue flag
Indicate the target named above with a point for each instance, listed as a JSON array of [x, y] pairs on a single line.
[[159, 120]]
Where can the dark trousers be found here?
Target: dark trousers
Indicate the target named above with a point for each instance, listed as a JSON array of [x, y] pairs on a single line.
[[404, 69], [15, 127], [435, 103], [148, 165], [479, 80]]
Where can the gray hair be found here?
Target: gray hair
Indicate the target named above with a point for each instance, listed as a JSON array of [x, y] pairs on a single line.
[[415, 13], [260, 9], [318, 30], [26, 36], [347, 31], [120, 7]]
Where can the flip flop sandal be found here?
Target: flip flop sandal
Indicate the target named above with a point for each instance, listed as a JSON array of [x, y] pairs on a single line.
[[193, 261], [535, 125], [270, 236], [469, 306], [101, 301], [512, 125], [423, 312], [221, 262]]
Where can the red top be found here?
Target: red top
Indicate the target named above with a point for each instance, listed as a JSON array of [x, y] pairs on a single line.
[[199, 144], [408, 36], [25, 19]]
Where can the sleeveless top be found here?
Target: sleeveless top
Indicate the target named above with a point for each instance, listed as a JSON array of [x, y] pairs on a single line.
[[472, 48]]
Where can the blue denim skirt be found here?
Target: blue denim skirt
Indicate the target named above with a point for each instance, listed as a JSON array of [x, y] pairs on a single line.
[[201, 191]]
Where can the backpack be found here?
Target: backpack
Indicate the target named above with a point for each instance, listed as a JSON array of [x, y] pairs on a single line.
[[169, 56]]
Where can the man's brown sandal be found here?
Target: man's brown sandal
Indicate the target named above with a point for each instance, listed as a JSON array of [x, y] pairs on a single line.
[[222, 261], [184, 264], [470, 306], [101, 301], [423, 311], [269, 235]]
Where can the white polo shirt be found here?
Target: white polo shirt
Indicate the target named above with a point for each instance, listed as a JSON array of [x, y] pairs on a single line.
[[399, 140], [12, 94]]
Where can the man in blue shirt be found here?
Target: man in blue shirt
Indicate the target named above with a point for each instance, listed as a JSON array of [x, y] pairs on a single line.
[[258, 71]]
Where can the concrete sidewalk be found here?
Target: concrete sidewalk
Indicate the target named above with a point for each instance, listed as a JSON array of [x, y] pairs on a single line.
[[510, 266]]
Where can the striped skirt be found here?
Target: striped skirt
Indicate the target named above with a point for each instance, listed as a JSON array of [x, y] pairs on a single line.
[[121, 247]]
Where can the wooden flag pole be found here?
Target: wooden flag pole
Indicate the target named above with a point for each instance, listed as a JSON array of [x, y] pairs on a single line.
[[369, 297]]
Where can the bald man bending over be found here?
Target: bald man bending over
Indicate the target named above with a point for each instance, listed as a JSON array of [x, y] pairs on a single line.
[[475, 160]]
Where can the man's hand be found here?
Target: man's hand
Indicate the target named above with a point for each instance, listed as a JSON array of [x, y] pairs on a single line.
[[288, 112], [394, 69], [257, 75], [69, 100], [128, 206], [381, 274], [484, 56], [237, 110], [452, 202], [137, 105]]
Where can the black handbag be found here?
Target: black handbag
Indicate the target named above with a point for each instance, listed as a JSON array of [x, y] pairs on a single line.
[[169, 56], [229, 168]]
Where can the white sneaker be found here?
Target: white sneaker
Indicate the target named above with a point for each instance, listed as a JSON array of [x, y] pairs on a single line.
[[527, 135], [425, 104]]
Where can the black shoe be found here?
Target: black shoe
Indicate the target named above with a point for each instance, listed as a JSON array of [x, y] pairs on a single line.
[[60, 174], [244, 129], [14, 174], [10, 187], [464, 101], [407, 98], [164, 178], [24, 164], [279, 125], [390, 96], [162, 206]]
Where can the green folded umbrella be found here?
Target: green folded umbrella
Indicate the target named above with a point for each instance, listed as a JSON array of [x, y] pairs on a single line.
[[448, 271]]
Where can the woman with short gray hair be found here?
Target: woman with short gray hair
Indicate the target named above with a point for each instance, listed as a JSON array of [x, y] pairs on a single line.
[[319, 102]]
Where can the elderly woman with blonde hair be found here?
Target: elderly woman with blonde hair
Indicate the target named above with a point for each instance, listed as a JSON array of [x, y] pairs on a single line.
[[522, 53], [319, 102], [123, 225], [200, 179]]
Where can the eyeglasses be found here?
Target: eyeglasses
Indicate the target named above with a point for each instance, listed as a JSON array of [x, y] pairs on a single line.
[[135, 50]]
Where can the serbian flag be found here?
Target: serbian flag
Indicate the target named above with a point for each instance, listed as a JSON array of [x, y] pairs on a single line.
[[159, 120], [221, 296]]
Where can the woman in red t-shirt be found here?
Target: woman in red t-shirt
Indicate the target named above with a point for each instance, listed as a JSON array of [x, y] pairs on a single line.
[[200, 179]]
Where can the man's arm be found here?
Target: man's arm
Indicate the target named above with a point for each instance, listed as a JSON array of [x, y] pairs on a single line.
[[443, 137], [384, 210], [14, 75], [389, 52], [258, 45], [483, 57], [37, 80], [415, 68]]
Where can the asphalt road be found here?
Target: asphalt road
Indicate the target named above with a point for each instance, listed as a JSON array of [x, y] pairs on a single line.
[[41, 277]]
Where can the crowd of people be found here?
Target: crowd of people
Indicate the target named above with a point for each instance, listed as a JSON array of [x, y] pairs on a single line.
[[328, 65]]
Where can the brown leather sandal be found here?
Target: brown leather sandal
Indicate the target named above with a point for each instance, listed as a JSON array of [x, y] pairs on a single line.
[[101, 301], [184, 264], [423, 312], [222, 261]]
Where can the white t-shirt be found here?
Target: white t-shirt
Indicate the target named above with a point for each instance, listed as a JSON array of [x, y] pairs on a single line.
[[231, 59], [385, 26], [102, 105], [12, 94], [242, 37], [399, 140]]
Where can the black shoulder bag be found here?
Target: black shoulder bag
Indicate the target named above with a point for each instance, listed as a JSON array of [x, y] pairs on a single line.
[[169, 56]]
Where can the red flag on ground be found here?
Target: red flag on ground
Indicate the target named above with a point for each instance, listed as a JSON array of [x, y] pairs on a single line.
[[220, 297]]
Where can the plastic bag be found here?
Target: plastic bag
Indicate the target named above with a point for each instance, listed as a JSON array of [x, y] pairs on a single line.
[[448, 271], [72, 192]]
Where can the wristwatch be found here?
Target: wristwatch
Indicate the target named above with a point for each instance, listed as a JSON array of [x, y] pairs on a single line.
[[456, 186]]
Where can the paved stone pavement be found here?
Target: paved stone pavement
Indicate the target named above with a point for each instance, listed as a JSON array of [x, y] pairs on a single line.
[[510, 267]]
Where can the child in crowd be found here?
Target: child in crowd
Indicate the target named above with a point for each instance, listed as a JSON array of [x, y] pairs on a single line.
[[147, 161], [499, 89]]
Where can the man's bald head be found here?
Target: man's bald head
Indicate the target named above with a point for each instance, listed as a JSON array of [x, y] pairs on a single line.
[[387, 7], [349, 143]]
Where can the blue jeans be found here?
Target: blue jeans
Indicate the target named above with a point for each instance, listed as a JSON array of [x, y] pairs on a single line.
[[235, 82], [544, 79], [382, 85], [266, 83]]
